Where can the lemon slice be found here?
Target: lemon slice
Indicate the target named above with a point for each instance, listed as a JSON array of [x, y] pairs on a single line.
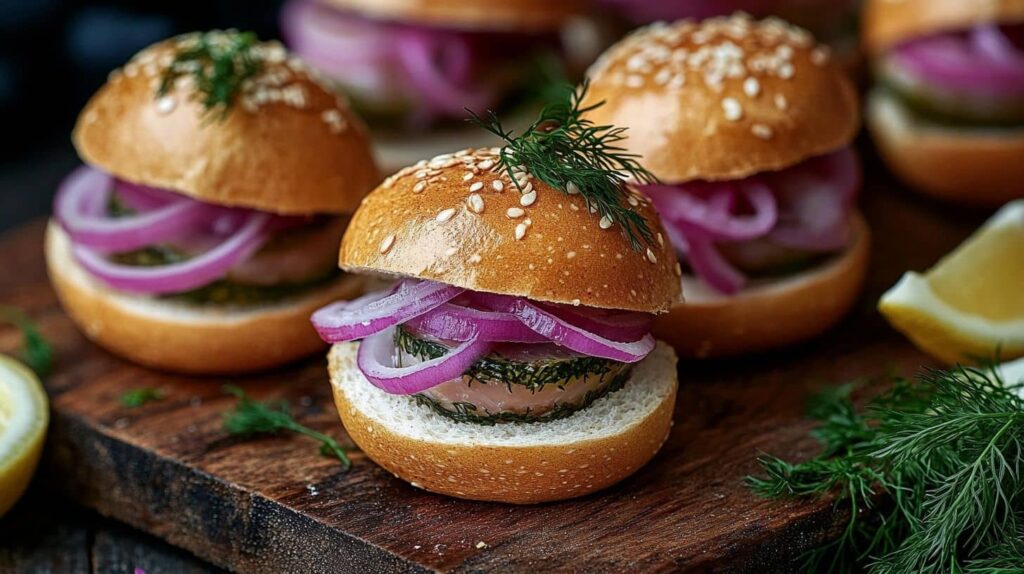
[[969, 306], [24, 416]]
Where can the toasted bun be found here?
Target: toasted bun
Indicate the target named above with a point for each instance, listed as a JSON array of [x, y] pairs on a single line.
[[724, 98], [890, 22], [288, 145], [770, 314], [972, 166], [185, 338], [421, 223], [528, 15], [519, 463]]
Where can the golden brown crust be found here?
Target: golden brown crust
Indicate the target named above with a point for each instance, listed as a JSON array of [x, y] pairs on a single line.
[[424, 222], [773, 315], [890, 22], [534, 474], [528, 15], [217, 342], [969, 166], [304, 152], [723, 99]]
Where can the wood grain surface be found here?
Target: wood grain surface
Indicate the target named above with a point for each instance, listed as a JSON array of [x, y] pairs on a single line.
[[275, 505]]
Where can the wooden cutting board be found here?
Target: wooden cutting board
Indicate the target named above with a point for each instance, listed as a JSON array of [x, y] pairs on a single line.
[[275, 505]]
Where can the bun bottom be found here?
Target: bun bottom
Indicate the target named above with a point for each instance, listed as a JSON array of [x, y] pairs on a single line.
[[518, 463], [971, 166], [768, 315], [182, 338]]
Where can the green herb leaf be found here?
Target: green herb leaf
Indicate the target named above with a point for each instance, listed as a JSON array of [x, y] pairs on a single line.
[[136, 398], [569, 152], [936, 459], [255, 417], [218, 62], [37, 351]]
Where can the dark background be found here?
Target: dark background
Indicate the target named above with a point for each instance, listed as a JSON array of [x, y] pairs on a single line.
[[55, 53]]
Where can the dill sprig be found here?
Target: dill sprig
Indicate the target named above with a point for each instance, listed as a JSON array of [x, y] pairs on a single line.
[[36, 352], [936, 461], [219, 64], [571, 154], [136, 398], [255, 417]]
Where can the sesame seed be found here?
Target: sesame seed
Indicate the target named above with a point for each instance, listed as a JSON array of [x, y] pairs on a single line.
[[497, 185], [570, 255], [571, 188], [476, 203], [386, 244], [520, 231], [166, 105], [820, 55], [751, 87], [781, 102], [650, 256], [419, 187], [475, 258], [467, 177], [632, 200], [476, 186], [786, 71], [422, 174], [732, 108], [445, 215], [486, 164], [634, 81], [450, 251], [762, 131], [528, 198], [605, 222], [514, 212], [661, 240]]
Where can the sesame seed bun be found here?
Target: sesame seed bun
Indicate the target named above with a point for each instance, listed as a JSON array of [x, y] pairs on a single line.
[[429, 221], [287, 145], [528, 15], [519, 463], [890, 22], [972, 166], [183, 338], [724, 98], [768, 314]]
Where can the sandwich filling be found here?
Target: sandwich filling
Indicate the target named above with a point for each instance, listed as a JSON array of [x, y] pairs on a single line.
[[156, 242], [485, 358], [967, 78], [767, 225], [414, 76]]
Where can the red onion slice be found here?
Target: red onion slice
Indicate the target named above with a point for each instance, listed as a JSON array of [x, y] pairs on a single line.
[[178, 277], [816, 202], [712, 267], [982, 63], [80, 208], [562, 332], [424, 57], [351, 320], [458, 323], [376, 359], [708, 207]]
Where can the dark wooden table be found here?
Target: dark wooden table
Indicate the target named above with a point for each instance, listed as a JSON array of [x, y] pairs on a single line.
[[247, 507]]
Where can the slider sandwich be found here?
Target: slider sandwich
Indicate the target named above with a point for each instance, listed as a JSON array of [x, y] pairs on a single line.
[[748, 126], [412, 67], [202, 230], [513, 359], [947, 113]]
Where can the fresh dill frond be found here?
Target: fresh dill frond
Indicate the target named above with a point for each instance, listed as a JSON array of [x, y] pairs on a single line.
[[937, 460], [255, 417], [136, 398], [571, 154], [218, 63], [36, 352]]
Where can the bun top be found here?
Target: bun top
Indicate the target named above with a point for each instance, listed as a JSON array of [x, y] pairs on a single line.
[[456, 220], [724, 98], [528, 15], [890, 22], [255, 152]]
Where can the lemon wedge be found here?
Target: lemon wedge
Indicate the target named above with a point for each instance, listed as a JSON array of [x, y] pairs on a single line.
[[969, 306], [24, 416]]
